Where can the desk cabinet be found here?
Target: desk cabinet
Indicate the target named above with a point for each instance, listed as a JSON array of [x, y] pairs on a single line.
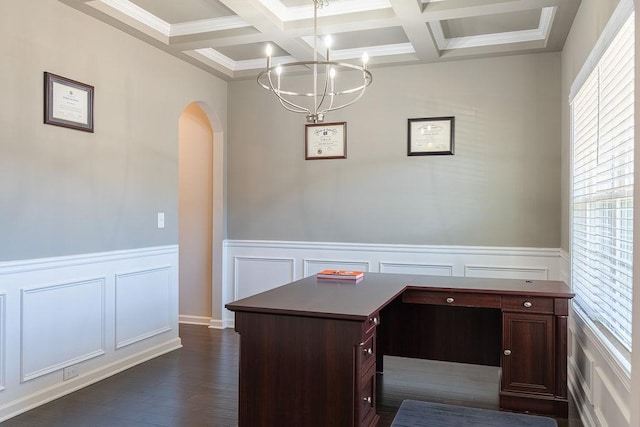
[[534, 355], [306, 371], [527, 364]]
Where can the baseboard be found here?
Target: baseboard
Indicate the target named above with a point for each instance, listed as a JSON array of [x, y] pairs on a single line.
[[194, 320], [46, 395]]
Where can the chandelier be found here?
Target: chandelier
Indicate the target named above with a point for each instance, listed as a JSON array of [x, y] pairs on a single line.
[[326, 94]]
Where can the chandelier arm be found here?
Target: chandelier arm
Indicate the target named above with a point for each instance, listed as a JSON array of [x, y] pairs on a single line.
[[324, 92], [290, 106], [362, 90], [294, 108]]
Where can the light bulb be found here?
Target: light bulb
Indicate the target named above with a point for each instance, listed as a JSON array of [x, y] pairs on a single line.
[[269, 50], [332, 73], [365, 58], [278, 70], [328, 41]]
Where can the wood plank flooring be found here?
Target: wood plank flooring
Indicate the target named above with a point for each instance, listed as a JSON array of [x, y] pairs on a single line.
[[198, 386]]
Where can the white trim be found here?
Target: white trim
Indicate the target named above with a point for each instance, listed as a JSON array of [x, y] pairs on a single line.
[[3, 340], [207, 25], [194, 320], [296, 13], [615, 360], [139, 14], [500, 270], [414, 265], [600, 377], [620, 15], [547, 15], [218, 324], [396, 248], [31, 265], [356, 53]]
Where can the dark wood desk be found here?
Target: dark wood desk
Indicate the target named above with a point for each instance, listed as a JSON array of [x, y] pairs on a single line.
[[309, 349]]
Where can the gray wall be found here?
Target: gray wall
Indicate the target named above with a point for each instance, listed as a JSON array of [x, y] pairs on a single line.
[[64, 191], [502, 186]]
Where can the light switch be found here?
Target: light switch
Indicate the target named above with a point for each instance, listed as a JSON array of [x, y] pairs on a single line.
[[160, 219]]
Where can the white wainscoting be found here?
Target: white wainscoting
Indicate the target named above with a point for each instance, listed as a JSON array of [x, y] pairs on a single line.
[[599, 385], [66, 319], [3, 342], [100, 313], [142, 291], [257, 266]]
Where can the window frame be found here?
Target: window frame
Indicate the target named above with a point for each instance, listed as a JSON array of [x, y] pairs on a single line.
[[620, 17]]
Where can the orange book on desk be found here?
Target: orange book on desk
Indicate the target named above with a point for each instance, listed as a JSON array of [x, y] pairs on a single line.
[[340, 274]]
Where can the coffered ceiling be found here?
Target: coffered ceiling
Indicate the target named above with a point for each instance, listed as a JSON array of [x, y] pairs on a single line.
[[228, 37]]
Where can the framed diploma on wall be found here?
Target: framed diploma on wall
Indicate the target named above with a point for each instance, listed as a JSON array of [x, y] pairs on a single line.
[[68, 103], [325, 141], [430, 136]]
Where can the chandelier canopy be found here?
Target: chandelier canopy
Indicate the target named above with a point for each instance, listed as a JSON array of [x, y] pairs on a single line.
[[326, 92]]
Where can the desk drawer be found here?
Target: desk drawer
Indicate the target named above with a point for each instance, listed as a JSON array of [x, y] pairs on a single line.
[[457, 299], [370, 324], [367, 396], [368, 352], [527, 304]]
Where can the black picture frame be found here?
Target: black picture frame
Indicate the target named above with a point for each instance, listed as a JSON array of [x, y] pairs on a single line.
[[431, 136]]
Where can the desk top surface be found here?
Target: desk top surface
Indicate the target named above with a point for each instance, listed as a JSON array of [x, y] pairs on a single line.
[[357, 300]]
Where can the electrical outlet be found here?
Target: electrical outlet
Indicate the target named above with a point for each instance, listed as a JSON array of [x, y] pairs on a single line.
[[70, 372], [160, 219]]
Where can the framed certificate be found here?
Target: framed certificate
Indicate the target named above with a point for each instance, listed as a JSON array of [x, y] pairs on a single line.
[[430, 136], [68, 103], [325, 141]]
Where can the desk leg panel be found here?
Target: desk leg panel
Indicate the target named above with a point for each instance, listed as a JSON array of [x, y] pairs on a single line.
[[296, 371], [561, 357]]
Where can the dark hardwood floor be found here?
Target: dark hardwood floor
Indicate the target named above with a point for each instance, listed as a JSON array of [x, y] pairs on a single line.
[[198, 386]]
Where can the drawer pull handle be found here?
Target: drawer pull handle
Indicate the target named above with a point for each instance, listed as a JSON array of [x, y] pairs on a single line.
[[507, 352], [367, 399], [374, 320], [450, 300], [527, 304], [368, 351]]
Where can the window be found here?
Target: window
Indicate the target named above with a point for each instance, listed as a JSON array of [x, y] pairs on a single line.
[[602, 128]]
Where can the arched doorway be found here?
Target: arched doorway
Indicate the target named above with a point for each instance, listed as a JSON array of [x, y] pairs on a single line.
[[195, 224]]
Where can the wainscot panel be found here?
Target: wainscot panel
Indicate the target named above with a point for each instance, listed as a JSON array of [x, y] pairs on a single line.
[[3, 340], [256, 274], [262, 265], [96, 314], [143, 305], [66, 319], [598, 383], [524, 273], [416, 268]]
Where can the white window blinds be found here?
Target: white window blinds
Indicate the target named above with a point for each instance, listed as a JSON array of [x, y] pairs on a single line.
[[602, 197]]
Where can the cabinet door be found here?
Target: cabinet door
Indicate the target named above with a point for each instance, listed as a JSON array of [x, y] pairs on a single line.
[[528, 353]]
